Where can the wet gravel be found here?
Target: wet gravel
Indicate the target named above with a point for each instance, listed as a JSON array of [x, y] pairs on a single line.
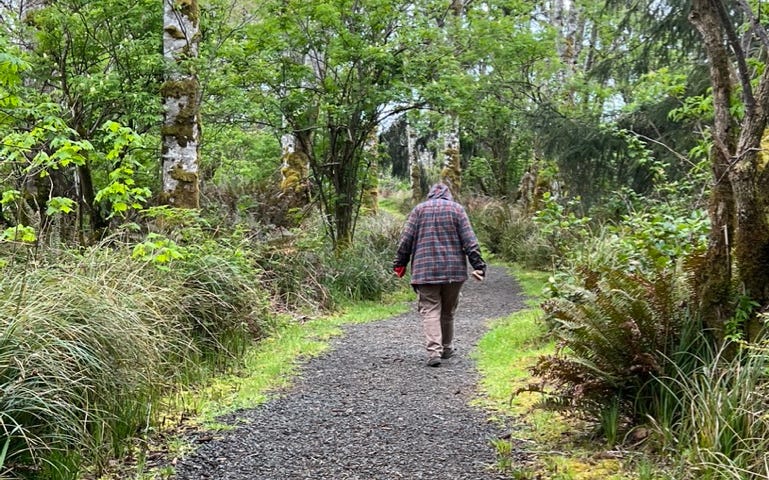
[[370, 409]]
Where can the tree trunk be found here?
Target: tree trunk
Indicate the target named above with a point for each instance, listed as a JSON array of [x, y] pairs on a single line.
[[181, 104], [294, 170], [738, 205], [751, 237], [414, 171], [451, 174], [714, 276], [370, 189]]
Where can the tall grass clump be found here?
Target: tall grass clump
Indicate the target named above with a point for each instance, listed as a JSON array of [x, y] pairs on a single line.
[[85, 351], [91, 342], [223, 298], [364, 271], [711, 409]]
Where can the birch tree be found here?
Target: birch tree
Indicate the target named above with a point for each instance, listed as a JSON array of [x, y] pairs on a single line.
[[451, 174], [181, 103]]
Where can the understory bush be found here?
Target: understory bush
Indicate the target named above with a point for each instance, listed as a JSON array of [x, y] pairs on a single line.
[[614, 333], [514, 237], [619, 309], [631, 350], [306, 274]]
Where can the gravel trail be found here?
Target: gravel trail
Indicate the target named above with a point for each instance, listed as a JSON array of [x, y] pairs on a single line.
[[369, 408]]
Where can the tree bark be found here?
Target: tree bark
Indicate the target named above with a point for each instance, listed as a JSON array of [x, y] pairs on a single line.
[[714, 276], [451, 174], [414, 170], [181, 104], [739, 229], [751, 242]]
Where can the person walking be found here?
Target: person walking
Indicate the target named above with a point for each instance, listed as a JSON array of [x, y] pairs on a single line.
[[438, 240]]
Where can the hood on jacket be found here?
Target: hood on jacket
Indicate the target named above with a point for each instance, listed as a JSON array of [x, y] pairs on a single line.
[[440, 190]]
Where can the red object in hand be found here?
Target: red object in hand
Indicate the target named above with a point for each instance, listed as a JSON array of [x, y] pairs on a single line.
[[400, 271]]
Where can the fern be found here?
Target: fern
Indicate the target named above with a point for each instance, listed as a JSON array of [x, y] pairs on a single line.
[[615, 333]]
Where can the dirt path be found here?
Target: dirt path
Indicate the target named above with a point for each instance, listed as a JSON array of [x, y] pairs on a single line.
[[371, 409]]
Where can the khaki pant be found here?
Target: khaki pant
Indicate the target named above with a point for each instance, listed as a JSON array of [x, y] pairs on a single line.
[[436, 305]]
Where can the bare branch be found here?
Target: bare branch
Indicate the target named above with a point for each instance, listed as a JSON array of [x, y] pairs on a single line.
[[758, 29]]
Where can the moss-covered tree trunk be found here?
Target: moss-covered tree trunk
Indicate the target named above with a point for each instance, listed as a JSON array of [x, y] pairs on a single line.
[[181, 104], [451, 174], [739, 229], [415, 172], [370, 189], [295, 170], [751, 236]]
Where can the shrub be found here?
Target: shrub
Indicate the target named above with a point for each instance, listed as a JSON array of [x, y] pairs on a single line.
[[614, 333], [505, 232], [305, 274]]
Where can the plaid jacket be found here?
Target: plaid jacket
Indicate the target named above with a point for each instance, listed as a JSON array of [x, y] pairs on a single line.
[[437, 239]]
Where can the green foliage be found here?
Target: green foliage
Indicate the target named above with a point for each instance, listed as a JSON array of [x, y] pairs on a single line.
[[11, 69], [616, 331], [238, 157], [19, 233], [158, 249], [363, 271], [72, 338], [560, 225], [122, 194], [89, 68], [734, 329], [658, 239], [112, 67], [59, 205]]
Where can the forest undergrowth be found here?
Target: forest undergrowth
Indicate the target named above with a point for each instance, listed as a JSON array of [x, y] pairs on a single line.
[[99, 345], [109, 350], [631, 362]]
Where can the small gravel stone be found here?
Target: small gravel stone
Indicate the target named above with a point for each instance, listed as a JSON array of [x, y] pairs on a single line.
[[370, 408]]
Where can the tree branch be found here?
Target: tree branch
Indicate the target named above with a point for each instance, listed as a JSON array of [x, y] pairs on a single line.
[[739, 54], [758, 29]]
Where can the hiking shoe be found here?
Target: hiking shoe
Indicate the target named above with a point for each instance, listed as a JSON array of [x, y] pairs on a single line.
[[447, 353], [433, 361]]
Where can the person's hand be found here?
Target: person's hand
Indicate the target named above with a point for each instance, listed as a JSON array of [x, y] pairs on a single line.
[[479, 275], [399, 270]]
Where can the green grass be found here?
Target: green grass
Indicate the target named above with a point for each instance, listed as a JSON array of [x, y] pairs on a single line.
[[532, 282], [512, 345], [394, 204], [505, 354]]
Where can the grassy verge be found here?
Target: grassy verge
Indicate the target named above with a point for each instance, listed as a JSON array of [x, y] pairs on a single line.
[[558, 447], [272, 363], [269, 369]]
